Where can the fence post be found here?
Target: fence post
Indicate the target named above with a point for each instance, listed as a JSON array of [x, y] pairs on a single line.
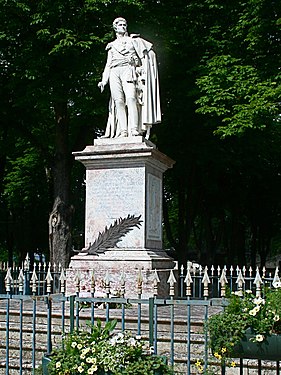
[[151, 321], [71, 312], [49, 280]]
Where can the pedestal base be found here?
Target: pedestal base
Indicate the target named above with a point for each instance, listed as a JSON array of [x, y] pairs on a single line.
[[115, 261]]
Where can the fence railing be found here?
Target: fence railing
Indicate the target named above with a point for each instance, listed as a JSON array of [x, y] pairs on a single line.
[[194, 281], [34, 323]]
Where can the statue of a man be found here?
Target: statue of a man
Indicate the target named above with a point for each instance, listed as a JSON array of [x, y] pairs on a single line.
[[131, 70]]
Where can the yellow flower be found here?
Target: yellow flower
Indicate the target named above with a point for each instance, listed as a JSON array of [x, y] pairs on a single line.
[[223, 350], [233, 364], [198, 363], [218, 356]]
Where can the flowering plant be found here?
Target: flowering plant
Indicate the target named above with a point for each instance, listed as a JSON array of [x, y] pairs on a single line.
[[99, 351], [245, 312]]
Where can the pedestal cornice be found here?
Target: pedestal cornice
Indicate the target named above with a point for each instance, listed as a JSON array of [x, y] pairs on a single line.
[[132, 150]]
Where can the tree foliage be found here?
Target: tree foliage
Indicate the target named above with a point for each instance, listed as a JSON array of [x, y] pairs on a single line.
[[220, 88]]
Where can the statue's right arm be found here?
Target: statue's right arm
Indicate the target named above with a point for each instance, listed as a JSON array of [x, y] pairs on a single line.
[[105, 74]]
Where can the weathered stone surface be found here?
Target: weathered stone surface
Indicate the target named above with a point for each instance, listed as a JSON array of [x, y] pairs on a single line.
[[124, 177]]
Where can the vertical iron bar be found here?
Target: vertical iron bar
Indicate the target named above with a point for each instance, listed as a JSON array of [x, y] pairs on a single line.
[[33, 332], [241, 366], [63, 314], [277, 368], [7, 332], [93, 311], [155, 327], [123, 317], [49, 325], [223, 368], [77, 312], [71, 312], [194, 286], [206, 338], [172, 331], [139, 315], [259, 367], [188, 338], [200, 286], [107, 311], [182, 282], [151, 325], [20, 338]]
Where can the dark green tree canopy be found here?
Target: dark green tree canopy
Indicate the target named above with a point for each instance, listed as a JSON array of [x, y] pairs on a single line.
[[219, 66]]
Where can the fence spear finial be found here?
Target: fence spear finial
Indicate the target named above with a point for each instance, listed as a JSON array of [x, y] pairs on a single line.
[[240, 281], [77, 282], [21, 281], [27, 262], [107, 283], [93, 283], [139, 282], [172, 281], [206, 281], [34, 280], [276, 279], [223, 281], [8, 280], [188, 281], [62, 281], [258, 281], [49, 280], [156, 281], [122, 282]]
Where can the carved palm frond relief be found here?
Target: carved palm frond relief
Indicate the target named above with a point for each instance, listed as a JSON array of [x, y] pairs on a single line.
[[113, 234]]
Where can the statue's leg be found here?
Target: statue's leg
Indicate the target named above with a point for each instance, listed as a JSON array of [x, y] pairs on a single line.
[[132, 106], [118, 98]]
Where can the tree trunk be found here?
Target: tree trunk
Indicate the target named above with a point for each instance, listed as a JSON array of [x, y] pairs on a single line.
[[60, 220]]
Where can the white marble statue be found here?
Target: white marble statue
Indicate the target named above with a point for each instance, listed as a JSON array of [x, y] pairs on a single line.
[[131, 70]]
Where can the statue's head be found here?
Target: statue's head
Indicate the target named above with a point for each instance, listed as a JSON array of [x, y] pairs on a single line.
[[120, 24]]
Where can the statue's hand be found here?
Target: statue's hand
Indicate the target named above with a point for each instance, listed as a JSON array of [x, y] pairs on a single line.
[[140, 71], [101, 86]]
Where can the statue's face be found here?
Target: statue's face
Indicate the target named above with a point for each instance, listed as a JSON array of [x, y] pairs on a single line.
[[121, 27]]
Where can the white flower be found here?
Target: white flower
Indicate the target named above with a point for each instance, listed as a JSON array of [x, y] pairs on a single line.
[[248, 291], [132, 341], [80, 369], [85, 351], [58, 365], [74, 344], [92, 369], [254, 311], [238, 293], [259, 301], [276, 318], [259, 338]]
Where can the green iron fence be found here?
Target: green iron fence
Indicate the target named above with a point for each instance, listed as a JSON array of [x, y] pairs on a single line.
[[32, 324]]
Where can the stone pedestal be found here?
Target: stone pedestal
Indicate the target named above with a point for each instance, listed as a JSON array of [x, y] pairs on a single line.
[[124, 177]]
